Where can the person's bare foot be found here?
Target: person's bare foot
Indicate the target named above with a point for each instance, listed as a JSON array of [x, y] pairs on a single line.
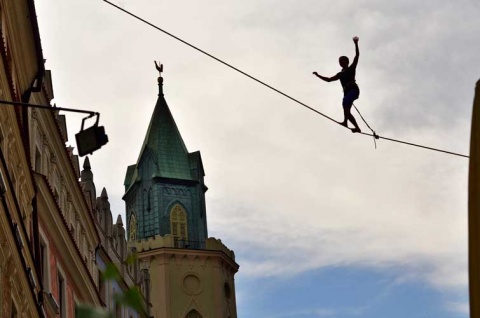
[[356, 130], [343, 123]]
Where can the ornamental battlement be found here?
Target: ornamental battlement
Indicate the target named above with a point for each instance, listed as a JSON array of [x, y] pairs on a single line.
[[153, 242], [169, 241], [217, 245]]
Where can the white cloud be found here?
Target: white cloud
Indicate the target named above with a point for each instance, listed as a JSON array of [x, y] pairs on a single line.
[[306, 313], [460, 307]]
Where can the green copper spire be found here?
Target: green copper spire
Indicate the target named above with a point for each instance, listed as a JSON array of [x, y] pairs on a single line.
[[165, 189], [165, 142], [164, 145]]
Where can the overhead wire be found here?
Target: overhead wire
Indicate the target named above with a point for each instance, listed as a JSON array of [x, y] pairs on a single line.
[[415, 145], [374, 135]]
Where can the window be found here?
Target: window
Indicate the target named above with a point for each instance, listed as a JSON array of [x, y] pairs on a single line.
[[38, 161], [149, 205], [118, 310], [132, 227], [144, 200], [226, 289], [61, 295], [14, 312], [178, 222], [101, 286], [44, 264], [2, 141]]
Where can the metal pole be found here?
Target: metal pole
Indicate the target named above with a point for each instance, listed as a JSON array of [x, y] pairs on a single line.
[[52, 108], [474, 209]]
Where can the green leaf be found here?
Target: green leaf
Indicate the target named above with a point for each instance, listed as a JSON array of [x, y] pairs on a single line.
[[130, 298], [132, 258], [86, 311], [111, 273]]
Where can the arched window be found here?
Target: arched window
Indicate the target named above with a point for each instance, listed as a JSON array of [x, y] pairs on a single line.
[[133, 227], [193, 314], [144, 201], [149, 203], [178, 222]]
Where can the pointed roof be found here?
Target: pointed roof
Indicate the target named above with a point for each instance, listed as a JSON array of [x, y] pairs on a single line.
[[104, 193], [86, 164], [119, 220], [164, 143], [86, 174]]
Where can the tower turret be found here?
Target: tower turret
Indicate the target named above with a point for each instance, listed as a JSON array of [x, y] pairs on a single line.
[[119, 237], [104, 213], [186, 274], [88, 186]]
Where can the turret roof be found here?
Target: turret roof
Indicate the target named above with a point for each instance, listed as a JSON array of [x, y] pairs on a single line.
[[164, 143]]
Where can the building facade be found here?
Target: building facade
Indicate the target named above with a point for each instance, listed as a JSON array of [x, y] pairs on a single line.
[[21, 66], [191, 275], [56, 236]]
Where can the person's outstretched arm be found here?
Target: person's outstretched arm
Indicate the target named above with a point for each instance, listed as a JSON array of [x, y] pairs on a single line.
[[357, 53], [326, 79]]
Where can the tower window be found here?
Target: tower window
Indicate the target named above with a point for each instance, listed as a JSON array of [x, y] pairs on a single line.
[[149, 205], [178, 222]]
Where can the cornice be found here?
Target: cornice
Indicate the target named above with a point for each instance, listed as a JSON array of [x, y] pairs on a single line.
[[66, 161], [179, 252], [57, 217]]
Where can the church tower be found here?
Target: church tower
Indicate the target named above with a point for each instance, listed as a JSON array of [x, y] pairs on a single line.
[[165, 191], [191, 275]]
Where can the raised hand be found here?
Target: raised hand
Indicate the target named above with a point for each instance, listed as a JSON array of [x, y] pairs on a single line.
[[355, 39]]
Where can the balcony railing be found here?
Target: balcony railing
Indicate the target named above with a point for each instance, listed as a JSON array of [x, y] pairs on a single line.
[[188, 244]]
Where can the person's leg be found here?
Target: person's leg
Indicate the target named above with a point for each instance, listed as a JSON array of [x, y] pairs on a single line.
[[345, 118], [348, 102], [354, 122]]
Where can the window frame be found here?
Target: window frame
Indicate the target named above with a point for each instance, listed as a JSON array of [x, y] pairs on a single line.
[[62, 293], [178, 222]]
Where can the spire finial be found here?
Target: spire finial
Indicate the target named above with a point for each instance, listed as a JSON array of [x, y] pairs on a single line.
[[159, 68]]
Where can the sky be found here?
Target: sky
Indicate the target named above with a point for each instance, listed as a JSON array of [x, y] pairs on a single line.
[[321, 222]]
